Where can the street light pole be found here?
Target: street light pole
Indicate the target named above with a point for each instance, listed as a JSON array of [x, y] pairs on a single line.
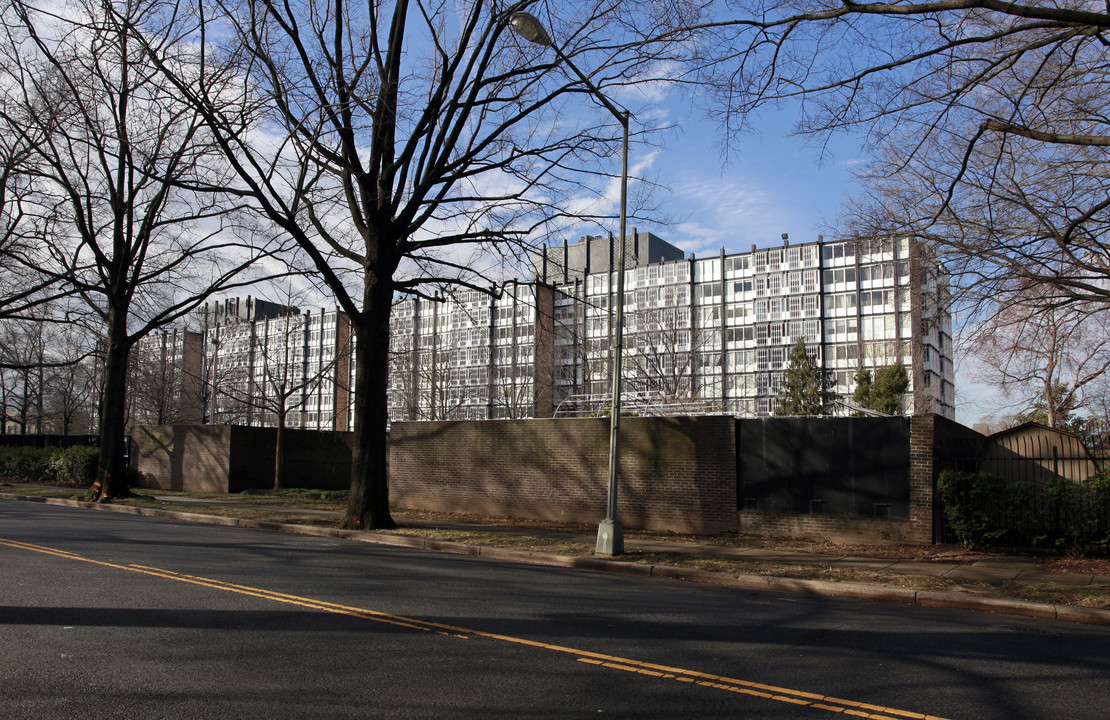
[[610, 534]]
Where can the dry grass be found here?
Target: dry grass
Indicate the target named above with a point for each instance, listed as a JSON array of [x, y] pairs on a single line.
[[1082, 565], [1091, 596]]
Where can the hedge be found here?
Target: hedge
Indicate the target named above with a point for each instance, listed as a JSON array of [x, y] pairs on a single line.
[[68, 466], [1069, 516]]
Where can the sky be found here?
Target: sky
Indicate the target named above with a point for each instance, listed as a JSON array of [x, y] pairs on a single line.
[[770, 185]]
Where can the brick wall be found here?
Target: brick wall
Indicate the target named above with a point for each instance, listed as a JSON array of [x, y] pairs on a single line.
[[922, 478], [833, 528], [677, 474], [182, 457]]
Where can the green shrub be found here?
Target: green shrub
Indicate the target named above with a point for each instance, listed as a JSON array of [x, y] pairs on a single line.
[[74, 466], [1098, 489], [1059, 514], [25, 463], [967, 498]]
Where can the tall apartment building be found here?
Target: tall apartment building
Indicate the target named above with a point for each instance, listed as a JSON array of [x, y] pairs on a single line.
[[475, 355], [701, 335], [714, 334], [264, 360], [167, 379]]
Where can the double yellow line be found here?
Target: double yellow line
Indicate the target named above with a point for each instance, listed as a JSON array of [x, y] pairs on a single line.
[[717, 682]]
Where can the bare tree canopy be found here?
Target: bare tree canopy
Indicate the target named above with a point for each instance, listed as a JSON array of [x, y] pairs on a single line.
[[101, 198], [411, 144], [667, 348], [47, 377], [1052, 360], [988, 120]]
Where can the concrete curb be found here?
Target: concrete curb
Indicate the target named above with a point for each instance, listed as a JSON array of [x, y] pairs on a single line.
[[922, 598], [1002, 606]]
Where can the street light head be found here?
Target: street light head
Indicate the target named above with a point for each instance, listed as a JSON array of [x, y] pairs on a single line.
[[530, 28]]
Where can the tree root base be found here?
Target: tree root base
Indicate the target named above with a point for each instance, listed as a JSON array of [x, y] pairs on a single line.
[[357, 524], [95, 495]]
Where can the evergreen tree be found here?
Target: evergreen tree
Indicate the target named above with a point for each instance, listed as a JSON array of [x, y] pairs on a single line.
[[883, 393], [805, 387], [890, 384], [862, 395]]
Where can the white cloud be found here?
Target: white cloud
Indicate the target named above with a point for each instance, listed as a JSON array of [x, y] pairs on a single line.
[[727, 212]]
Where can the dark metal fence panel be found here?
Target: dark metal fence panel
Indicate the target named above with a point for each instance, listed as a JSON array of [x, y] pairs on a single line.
[[834, 466], [1041, 503], [955, 447], [45, 441]]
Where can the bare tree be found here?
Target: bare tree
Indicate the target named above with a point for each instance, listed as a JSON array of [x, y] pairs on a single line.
[[1047, 358], [70, 382], [515, 382], [6, 393], [420, 369], [439, 396], [1098, 404], [14, 188], [665, 352], [23, 358], [413, 144], [112, 162], [167, 382], [403, 395], [48, 371], [72, 393], [990, 119]]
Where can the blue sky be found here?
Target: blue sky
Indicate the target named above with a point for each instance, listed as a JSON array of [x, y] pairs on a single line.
[[773, 184]]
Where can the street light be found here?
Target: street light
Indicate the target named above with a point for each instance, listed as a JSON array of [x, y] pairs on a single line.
[[610, 535]]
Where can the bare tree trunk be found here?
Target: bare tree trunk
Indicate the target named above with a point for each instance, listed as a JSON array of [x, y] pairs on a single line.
[[39, 398], [111, 479], [23, 414], [279, 453], [1051, 403], [368, 507]]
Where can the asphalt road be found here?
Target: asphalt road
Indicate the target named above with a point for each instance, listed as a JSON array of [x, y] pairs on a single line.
[[120, 616]]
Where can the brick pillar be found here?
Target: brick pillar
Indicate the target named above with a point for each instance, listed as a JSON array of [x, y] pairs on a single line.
[[921, 478]]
